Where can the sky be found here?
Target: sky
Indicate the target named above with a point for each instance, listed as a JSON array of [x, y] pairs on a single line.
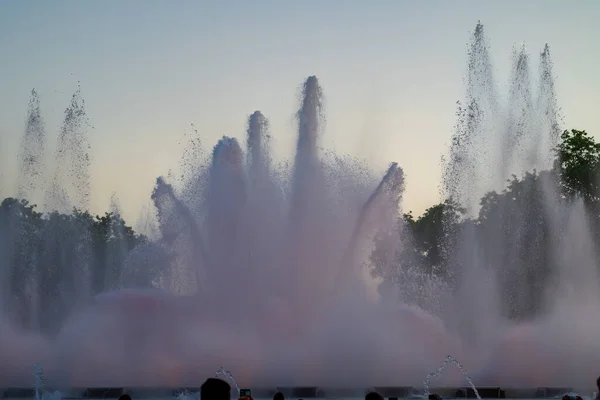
[[391, 72]]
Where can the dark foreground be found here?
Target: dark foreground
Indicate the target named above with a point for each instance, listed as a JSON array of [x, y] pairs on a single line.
[[307, 392]]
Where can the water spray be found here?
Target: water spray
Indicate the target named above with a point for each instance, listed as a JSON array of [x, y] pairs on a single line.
[[225, 373], [449, 360], [40, 385]]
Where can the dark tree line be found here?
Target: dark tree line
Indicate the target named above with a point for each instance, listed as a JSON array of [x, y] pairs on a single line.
[[515, 230], [52, 263]]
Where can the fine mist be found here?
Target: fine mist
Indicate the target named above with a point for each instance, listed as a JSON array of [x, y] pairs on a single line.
[[265, 268], [265, 276]]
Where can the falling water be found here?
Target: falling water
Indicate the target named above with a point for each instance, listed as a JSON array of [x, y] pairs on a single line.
[[449, 360], [519, 115], [29, 182], [71, 184], [309, 119], [70, 187], [225, 373], [389, 190], [226, 200], [540, 228], [548, 113], [175, 218], [258, 146], [265, 267], [471, 168], [31, 166], [40, 385]]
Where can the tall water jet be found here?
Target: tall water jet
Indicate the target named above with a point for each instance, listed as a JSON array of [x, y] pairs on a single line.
[[531, 241], [471, 165], [226, 200], [258, 145], [469, 172], [515, 157], [264, 197], [30, 172], [480, 81], [309, 118], [307, 190], [478, 162], [307, 177], [68, 189], [193, 170], [71, 183], [517, 142], [20, 244], [20, 271], [502, 251], [548, 119]]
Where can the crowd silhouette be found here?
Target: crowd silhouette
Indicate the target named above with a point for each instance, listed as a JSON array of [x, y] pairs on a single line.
[[218, 389]]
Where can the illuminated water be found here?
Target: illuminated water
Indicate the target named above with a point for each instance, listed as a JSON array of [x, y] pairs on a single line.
[[264, 268]]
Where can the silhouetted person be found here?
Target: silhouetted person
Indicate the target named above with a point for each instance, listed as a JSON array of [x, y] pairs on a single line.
[[598, 386], [125, 397], [215, 389], [373, 396], [278, 396]]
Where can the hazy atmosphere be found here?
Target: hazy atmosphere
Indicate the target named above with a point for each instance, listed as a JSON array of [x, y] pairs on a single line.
[[307, 193]]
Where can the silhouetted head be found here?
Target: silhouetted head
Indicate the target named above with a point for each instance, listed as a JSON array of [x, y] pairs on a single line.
[[278, 396], [125, 397], [215, 389], [373, 396]]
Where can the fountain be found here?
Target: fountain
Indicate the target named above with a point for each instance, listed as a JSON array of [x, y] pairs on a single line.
[[227, 375], [449, 360], [41, 392], [40, 385], [265, 268]]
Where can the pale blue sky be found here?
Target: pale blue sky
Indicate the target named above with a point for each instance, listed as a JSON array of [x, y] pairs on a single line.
[[391, 71]]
